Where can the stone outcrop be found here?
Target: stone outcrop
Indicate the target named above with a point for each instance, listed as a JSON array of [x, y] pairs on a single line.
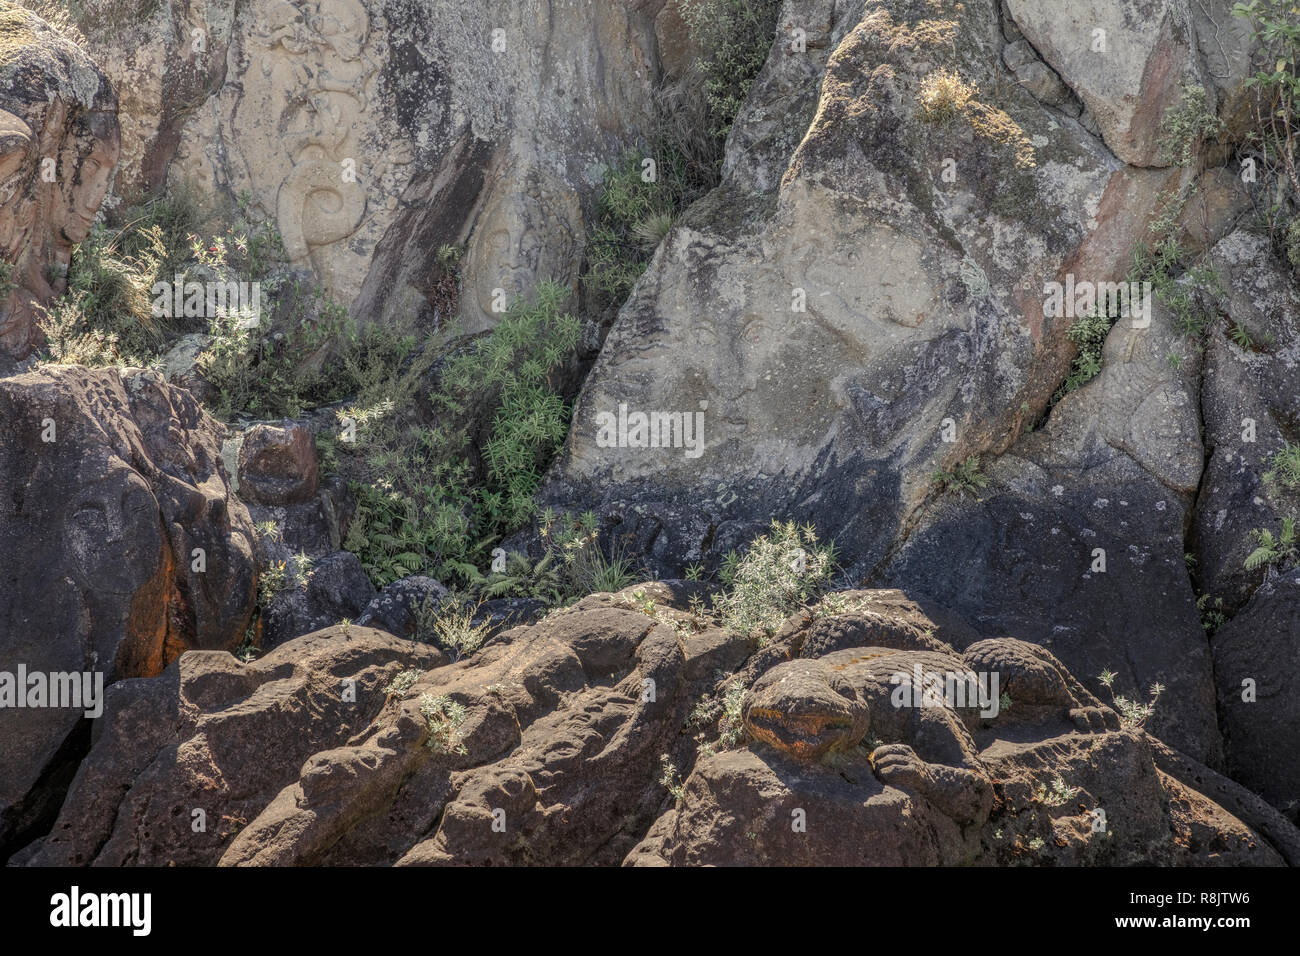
[[59, 142], [373, 132], [559, 743], [120, 547]]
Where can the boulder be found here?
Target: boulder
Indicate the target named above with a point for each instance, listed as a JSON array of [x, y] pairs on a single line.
[[187, 759], [860, 303], [1254, 658], [398, 607], [1125, 59], [331, 589], [59, 142], [120, 546], [277, 464]]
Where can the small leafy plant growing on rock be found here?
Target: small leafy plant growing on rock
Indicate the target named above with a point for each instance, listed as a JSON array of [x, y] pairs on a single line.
[[1284, 467], [450, 626], [1282, 550], [734, 38], [1186, 126], [400, 684], [1132, 713], [782, 571], [966, 477], [445, 718], [1059, 794], [670, 779]]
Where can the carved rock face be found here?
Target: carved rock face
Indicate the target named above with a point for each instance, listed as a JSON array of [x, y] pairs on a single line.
[[117, 518], [373, 133], [59, 143]]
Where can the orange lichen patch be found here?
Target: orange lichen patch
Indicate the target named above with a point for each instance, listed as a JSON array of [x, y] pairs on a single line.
[[807, 724], [860, 659]]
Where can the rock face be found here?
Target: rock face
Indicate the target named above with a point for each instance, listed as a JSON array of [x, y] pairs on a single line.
[[277, 465], [860, 302], [1126, 60], [556, 745], [1254, 654], [59, 142], [213, 740], [373, 132], [120, 545]]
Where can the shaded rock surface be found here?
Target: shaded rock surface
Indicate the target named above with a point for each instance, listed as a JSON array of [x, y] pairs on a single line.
[[120, 544]]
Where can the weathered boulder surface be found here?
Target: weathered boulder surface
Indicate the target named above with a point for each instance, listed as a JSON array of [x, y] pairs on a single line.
[[182, 762], [1251, 406], [323, 592], [558, 743], [59, 142], [120, 545], [278, 465], [1077, 542]]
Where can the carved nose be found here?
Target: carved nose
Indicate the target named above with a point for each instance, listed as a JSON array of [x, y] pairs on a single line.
[[217, 509]]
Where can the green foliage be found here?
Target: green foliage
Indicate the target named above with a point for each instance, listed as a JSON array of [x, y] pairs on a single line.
[[1186, 126], [1211, 612], [637, 207], [1163, 261], [734, 38], [966, 478], [572, 566], [445, 718], [781, 571], [1282, 550], [419, 510], [1284, 467], [1132, 713], [1276, 84], [1089, 334]]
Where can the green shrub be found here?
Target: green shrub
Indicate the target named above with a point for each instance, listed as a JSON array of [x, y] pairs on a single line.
[[781, 571], [1186, 126], [734, 38], [422, 505]]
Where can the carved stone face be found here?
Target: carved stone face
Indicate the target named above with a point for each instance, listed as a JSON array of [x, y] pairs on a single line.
[[523, 236], [91, 154]]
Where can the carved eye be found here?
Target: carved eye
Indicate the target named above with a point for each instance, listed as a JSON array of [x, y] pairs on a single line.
[[702, 336]]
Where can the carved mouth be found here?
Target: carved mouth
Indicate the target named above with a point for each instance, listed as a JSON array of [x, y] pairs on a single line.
[[795, 732]]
